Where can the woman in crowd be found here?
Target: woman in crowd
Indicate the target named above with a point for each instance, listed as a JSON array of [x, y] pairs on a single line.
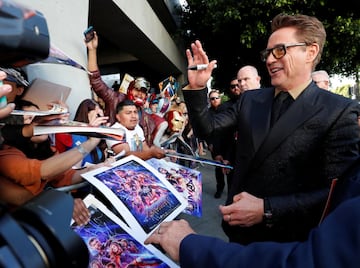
[[90, 111]]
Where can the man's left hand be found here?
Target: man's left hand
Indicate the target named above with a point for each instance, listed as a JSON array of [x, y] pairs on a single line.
[[169, 236], [245, 211]]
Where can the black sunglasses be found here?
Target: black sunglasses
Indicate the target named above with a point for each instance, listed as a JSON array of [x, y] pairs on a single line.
[[234, 86], [278, 51], [214, 98]]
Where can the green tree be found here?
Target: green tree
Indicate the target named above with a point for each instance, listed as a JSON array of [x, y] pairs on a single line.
[[343, 90], [234, 32]]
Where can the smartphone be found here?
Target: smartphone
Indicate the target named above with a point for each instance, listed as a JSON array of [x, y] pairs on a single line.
[[89, 34], [3, 100]]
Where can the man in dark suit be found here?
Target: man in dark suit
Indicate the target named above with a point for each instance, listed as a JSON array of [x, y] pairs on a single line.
[[334, 244], [215, 142], [286, 157]]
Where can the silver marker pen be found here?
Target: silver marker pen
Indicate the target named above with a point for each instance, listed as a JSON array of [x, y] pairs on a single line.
[[199, 67]]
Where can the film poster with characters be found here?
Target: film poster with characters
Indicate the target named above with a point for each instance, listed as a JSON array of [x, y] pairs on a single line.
[[186, 181], [111, 243], [138, 192], [169, 87]]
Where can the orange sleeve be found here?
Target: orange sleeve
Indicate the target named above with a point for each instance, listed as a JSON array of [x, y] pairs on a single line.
[[18, 168], [26, 172], [64, 179]]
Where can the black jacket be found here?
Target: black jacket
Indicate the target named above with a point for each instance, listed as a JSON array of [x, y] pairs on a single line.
[[223, 141], [293, 162]]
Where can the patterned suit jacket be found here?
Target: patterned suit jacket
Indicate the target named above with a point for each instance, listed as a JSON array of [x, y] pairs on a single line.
[[292, 163]]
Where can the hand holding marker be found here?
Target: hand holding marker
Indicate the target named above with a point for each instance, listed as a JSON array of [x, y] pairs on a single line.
[[199, 67]]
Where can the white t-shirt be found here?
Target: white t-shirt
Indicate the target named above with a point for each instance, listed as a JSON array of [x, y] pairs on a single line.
[[134, 138]]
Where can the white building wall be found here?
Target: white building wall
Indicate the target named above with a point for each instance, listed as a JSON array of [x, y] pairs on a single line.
[[66, 20]]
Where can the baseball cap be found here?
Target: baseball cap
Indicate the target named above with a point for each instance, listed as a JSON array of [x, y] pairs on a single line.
[[141, 83], [16, 76]]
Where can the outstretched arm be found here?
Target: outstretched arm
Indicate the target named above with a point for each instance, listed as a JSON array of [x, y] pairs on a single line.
[[329, 245], [148, 152], [61, 162], [92, 56]]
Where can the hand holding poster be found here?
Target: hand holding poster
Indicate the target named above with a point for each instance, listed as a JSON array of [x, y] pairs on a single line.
[[111, 242], [139, 193]]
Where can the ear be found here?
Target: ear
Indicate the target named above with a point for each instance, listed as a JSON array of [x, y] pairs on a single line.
[[312, 52], [20, 90], [117, 117]]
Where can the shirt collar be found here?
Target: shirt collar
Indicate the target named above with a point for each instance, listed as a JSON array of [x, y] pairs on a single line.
[[295, 92]]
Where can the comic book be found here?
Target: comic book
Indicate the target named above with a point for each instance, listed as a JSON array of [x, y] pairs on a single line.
[[80, 128], [125, 83], [187, 181], [111, 243], [139, 193], [43, 92]]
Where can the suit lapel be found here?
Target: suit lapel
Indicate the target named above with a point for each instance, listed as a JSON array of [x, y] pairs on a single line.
[[260, 116], [299, 112]]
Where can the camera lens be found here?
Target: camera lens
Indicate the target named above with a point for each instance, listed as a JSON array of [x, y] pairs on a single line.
[[38, 234]]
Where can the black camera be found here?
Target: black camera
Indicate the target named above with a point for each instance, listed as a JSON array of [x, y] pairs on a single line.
[[38, 234], [24, 36]]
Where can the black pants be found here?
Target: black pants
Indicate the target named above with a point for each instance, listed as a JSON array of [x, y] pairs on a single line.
[[220, 179]]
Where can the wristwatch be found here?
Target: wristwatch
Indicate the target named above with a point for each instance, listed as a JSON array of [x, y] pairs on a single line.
[[268, 216]]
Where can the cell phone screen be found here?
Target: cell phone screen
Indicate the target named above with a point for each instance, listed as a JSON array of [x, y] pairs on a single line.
[[3, 100], [89, 34]]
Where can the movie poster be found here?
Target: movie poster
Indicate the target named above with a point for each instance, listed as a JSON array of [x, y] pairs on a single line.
[[186, 181], [112, 244], [138, 192]]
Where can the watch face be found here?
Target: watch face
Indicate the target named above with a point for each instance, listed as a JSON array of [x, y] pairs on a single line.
[[268, 215], [268, 219]]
